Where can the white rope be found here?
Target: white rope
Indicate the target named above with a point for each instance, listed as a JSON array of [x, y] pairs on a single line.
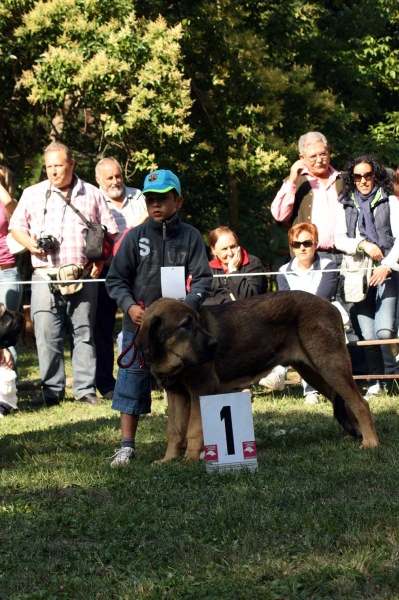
[[288, 272], [267, 273]]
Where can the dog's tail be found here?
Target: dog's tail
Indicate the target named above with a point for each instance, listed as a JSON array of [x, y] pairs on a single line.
[[341, 414]]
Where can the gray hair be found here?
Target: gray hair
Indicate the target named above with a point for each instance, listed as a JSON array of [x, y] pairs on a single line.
[[103, 161], [310, 138], [56, 147]]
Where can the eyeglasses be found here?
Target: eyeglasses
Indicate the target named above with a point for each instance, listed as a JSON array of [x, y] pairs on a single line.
[[305, 244], [312, 159], [359, 176]]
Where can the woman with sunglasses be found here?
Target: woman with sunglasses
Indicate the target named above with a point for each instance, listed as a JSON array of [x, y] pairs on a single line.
[[307, 272], [368, 221]]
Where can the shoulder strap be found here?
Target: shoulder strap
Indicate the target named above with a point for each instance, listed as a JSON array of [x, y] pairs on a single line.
[[69, 203]]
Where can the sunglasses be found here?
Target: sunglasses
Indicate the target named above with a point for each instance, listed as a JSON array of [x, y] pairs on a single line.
[[305, 244], [359, 176]]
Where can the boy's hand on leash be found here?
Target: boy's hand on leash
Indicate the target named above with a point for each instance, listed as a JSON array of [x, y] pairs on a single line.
[[136, 313]]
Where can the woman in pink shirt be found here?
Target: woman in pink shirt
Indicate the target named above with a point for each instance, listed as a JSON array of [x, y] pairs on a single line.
[[10, 288]]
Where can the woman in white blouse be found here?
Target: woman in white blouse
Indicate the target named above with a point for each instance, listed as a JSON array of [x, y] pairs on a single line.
[[368, 221]]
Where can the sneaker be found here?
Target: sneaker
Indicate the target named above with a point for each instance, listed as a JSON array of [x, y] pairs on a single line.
[[375, 390], [312, 398], [274, 381], [122, 456], [108, 395]]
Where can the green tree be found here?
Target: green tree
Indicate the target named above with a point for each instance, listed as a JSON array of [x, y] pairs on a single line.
[[219, 91], [263, 73], [104, 81]]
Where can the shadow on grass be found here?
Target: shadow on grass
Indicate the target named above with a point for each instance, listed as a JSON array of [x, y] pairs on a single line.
[[276, 427], [317, 520]]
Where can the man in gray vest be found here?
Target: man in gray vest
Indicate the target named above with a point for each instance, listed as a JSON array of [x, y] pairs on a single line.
[[310, 193]]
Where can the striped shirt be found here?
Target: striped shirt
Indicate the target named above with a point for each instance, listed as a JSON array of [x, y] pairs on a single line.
[[41, 211]]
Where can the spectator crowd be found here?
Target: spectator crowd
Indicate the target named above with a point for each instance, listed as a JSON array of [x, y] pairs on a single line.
[[321, 216]]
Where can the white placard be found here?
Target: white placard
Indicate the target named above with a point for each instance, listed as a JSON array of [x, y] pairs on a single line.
[[173, 283], [229, 438]]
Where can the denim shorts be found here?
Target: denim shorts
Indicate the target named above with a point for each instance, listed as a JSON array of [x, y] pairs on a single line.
[[132, 394]]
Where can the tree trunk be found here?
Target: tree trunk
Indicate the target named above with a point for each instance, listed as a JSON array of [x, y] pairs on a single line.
[[58, 121], [233, 206]]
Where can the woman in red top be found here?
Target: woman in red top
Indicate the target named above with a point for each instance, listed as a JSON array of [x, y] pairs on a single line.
[[228, 259], [10, 288]]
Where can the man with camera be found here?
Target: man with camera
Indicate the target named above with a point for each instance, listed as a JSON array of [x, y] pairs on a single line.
[[55, 236], [129, 209]]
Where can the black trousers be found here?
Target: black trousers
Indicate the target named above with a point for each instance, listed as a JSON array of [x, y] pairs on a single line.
[[104, 338]]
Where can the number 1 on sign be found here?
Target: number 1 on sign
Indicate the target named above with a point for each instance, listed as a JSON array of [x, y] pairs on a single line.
[[225, 414]]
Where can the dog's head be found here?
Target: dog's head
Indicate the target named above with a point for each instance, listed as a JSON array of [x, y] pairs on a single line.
[[173, 337], [11, 325]]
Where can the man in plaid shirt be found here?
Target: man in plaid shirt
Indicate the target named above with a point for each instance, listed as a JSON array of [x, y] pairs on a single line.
[[40, 213]]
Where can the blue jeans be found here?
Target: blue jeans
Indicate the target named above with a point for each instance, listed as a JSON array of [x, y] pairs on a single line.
[[376, 315], [10, 296], [55, 315], [132, 393]]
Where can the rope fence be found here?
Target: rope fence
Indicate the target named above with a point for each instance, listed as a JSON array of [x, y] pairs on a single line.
[[267, 274], [260, 274]]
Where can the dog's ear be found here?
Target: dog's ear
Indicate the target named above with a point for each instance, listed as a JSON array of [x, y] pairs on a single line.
[[148, 330], [2, 309]]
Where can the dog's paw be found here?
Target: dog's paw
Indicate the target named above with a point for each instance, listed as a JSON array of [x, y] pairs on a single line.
[[164, 460], [370, 444]]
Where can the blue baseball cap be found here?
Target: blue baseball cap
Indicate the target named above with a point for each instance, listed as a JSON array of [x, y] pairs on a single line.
[[161, 181]]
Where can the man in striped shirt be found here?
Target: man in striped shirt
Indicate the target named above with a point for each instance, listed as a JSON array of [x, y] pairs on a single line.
[[128, 208], [56, 236]]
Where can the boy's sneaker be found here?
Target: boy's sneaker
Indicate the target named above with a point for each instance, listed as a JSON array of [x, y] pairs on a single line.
[[312, 398], [274, 381], [375, 390], [122, 456]]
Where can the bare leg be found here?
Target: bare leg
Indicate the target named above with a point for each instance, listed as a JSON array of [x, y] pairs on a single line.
[[129, 425]]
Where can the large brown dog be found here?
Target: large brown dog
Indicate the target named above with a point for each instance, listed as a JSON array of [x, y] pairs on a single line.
[[233, 345]]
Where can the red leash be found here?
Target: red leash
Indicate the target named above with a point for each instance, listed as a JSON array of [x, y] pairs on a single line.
[[129, 347]]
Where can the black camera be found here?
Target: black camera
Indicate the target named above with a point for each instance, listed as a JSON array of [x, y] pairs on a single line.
[[47, 243]]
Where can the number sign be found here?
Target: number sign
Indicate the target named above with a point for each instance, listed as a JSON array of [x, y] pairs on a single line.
[[229, 439]]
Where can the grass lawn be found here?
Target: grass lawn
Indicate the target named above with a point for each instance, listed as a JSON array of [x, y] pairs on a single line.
[[319, 520]]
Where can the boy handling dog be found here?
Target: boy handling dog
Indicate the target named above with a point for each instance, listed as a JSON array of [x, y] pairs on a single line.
[[135, 277]]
